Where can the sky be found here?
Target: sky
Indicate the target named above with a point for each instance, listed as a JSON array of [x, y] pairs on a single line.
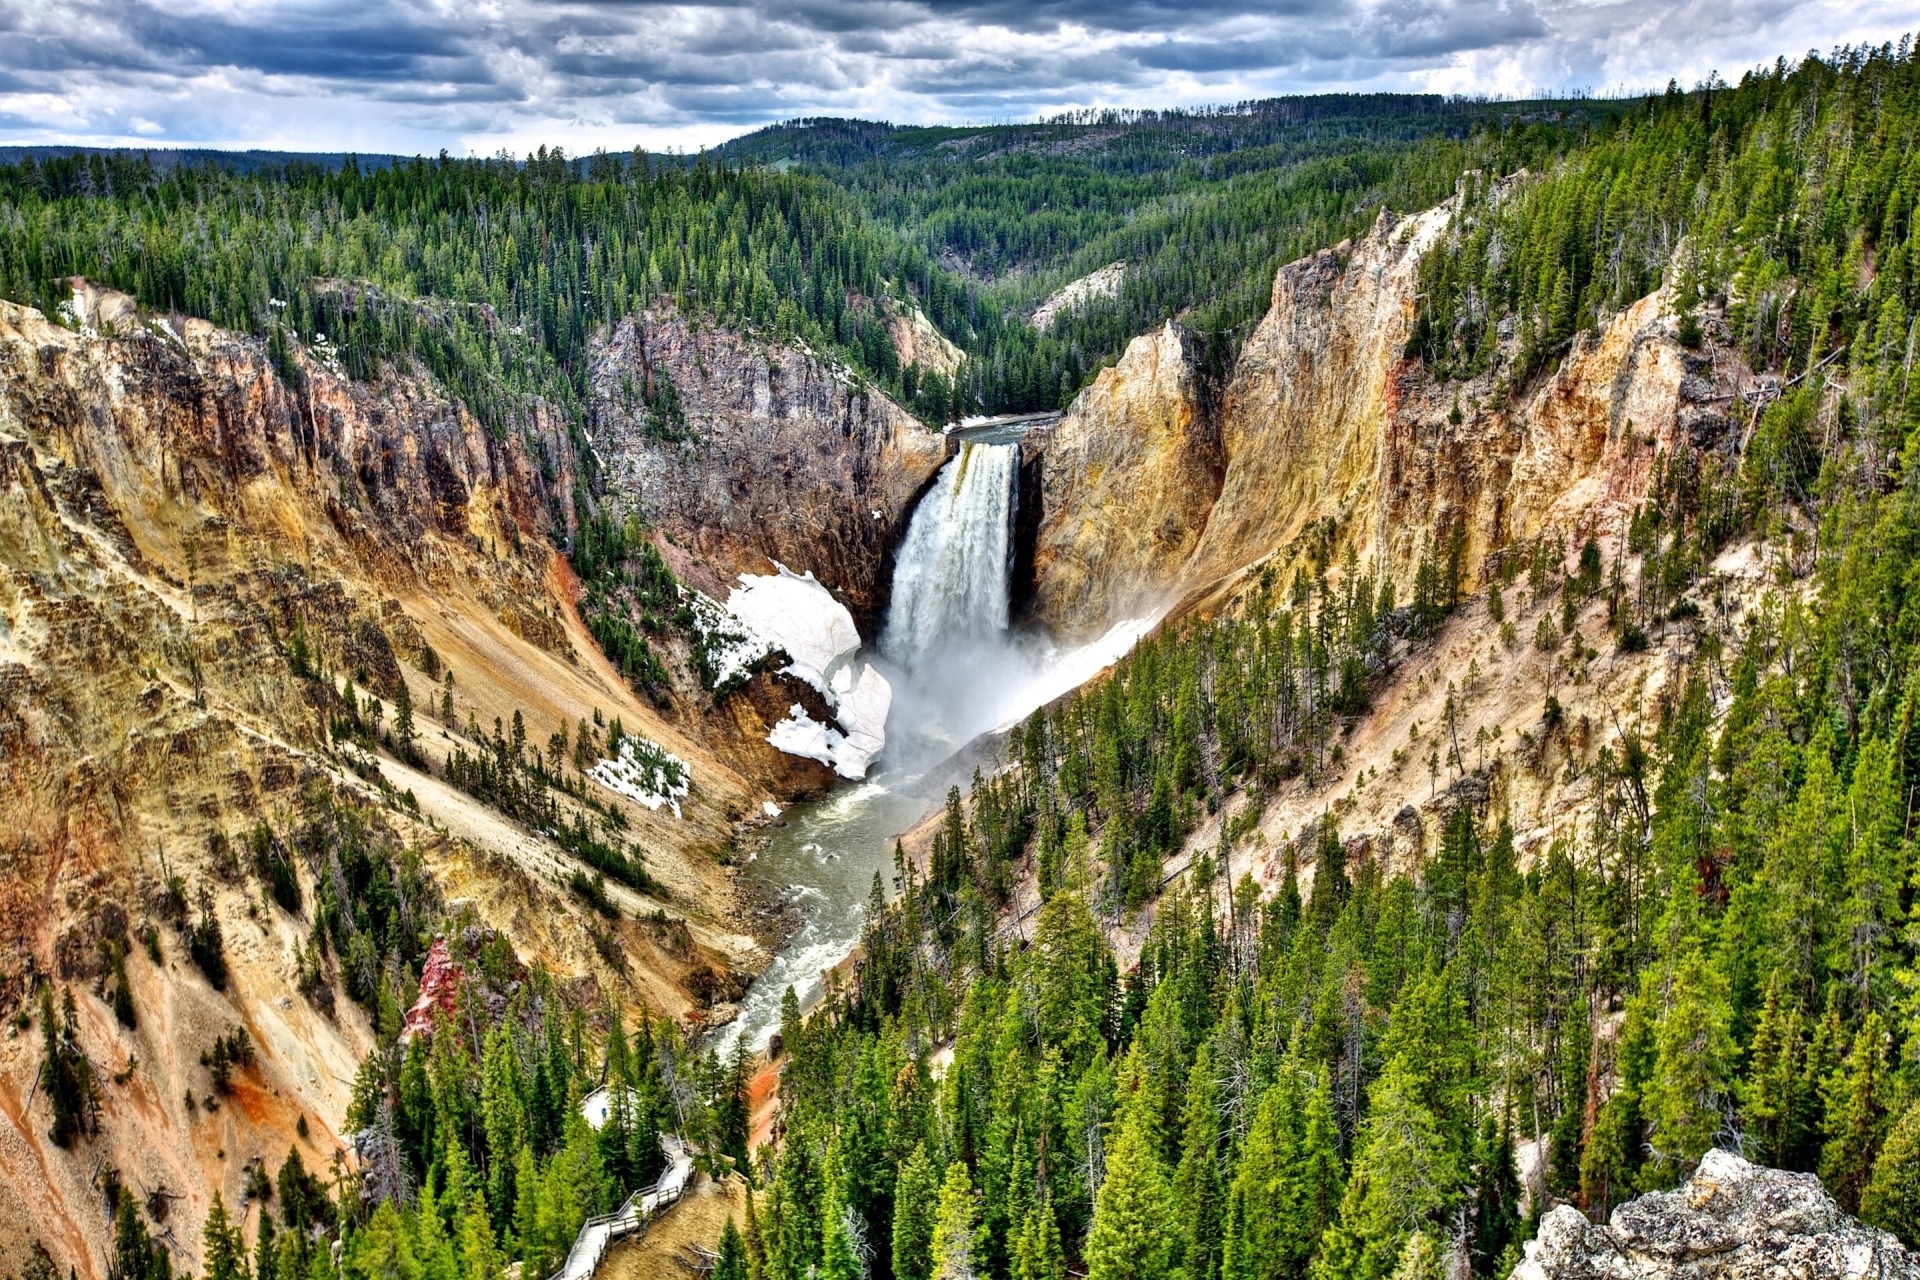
[[476, 76]]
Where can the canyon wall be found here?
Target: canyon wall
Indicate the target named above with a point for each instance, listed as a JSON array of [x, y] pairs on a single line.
[[774, 454], [178, 523], [1177, 483], [1127, 482], [1325, 437]]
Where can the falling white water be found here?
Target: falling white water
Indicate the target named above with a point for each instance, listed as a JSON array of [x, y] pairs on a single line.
[[956, 671], [951, 577]]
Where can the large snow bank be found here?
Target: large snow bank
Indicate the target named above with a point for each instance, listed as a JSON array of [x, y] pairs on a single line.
[[794, 612], [860, 705]]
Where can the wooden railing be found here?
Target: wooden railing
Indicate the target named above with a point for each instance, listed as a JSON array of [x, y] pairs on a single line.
[[633, 1215]]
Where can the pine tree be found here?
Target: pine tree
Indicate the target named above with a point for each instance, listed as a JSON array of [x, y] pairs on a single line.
[[403, 730], [1858, 1112], [915, 1197], [955, 1244], [1135, 1235], [480, 1257], [384, 1247], [1404, 1175], [1198, 1192], [1891, 1199], [1773, 1101], [72, 1092], [1693, 1053], [135, 1255], [731, 1264], [226, 1251], [1037, 1251]]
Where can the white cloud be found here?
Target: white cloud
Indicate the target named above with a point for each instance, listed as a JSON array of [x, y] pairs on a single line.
[[419, 75]]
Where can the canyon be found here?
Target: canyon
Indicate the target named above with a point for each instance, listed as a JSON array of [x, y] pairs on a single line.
[[177, 511]]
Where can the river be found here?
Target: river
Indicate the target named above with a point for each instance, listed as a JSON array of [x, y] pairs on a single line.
[[952, 680]]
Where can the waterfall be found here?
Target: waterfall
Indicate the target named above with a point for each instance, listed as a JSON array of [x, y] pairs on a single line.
[[951, 578]]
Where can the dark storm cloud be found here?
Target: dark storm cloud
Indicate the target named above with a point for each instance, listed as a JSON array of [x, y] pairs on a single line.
[[472, 74], [1203, 56]]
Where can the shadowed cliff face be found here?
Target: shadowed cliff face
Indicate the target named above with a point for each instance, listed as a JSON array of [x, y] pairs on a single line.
[[775, 455], [1325, 438]]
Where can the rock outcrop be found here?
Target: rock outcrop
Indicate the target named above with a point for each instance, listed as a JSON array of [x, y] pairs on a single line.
[[1320, 446], [1327, 438], [771, 454], [1127, 481], [1104, 282], [917, 342], [1731, 1221]]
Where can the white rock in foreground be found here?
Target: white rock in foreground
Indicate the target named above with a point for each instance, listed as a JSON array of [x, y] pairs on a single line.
[[1731, 1221]]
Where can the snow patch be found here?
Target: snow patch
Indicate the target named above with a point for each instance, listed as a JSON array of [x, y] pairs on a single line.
[[861, 707], [725, 646], [796, 613], [72, 313], [644, 772]]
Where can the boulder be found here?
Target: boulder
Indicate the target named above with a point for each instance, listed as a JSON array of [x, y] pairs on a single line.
[[1732, 1220]]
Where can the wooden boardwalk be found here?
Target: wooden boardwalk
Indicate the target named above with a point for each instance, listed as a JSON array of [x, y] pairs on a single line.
[[598, 1234]]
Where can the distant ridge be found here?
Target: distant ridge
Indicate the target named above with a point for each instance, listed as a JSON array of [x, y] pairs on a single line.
[[172, 157]]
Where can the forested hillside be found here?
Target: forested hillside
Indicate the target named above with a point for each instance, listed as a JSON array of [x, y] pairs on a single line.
[[1081, 1041], [1333, 1080], [970, 226], [1202, 207]]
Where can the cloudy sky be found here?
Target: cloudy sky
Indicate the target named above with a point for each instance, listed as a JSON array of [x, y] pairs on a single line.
[[472, 76]]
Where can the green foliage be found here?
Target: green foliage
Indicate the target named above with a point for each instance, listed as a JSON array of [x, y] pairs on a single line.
[[528, 787], [1768, 195], [72, 1093], [1891, 1199], [136, 1254], [206, 944]]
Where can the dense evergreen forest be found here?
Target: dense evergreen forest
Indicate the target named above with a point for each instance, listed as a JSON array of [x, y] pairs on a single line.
[[496, 273], [1203, 207], [1336, 1079]]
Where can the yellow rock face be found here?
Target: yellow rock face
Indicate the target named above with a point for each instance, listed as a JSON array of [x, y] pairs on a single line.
[[1324, 438], [171, 513]]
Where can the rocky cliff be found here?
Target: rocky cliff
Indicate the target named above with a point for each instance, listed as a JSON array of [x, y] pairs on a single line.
[[1321, 447], [1731, 1221], [210, 562], [1127, 483], [744, 452], [1326, 438], [186, 539]]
